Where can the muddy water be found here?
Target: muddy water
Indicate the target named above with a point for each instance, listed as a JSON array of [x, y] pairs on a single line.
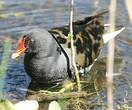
[[50, 13]]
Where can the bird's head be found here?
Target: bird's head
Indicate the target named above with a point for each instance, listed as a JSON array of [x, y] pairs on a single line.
[[25, 45], [35, 41]]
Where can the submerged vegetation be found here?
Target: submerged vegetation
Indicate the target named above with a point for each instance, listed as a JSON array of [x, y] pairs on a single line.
[[4, 62]]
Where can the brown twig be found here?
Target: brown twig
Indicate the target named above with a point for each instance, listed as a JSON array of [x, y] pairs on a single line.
[[47, 95]]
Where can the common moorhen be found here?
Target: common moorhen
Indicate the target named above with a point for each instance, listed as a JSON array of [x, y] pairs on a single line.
[[48, 53]]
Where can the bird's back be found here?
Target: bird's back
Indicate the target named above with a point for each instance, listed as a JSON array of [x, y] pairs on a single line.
[[87, 40]]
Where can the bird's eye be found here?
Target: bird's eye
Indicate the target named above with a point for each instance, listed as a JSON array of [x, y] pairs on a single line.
[[31, 40]]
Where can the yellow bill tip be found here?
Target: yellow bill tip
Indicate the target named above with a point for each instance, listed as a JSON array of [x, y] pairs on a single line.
[[14, 55]]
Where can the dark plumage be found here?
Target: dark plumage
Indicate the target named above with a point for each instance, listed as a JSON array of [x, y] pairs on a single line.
[[43, 59], [47, 53]]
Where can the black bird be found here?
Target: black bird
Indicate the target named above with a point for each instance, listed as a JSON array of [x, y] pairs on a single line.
[[47, 53]]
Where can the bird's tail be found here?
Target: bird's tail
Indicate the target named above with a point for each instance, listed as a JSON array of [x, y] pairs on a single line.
[[90, 18], [109, 36]]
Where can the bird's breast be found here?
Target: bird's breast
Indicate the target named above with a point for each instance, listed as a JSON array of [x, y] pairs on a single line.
[[46, 68]]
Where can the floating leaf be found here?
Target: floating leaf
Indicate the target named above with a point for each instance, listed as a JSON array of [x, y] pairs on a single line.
[[54, 106], [6, 105], [27, 105]]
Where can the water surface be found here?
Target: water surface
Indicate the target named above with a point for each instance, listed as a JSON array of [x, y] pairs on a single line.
[[17, 16]]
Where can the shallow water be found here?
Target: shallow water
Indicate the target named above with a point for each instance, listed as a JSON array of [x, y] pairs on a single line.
[[52, 13]]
